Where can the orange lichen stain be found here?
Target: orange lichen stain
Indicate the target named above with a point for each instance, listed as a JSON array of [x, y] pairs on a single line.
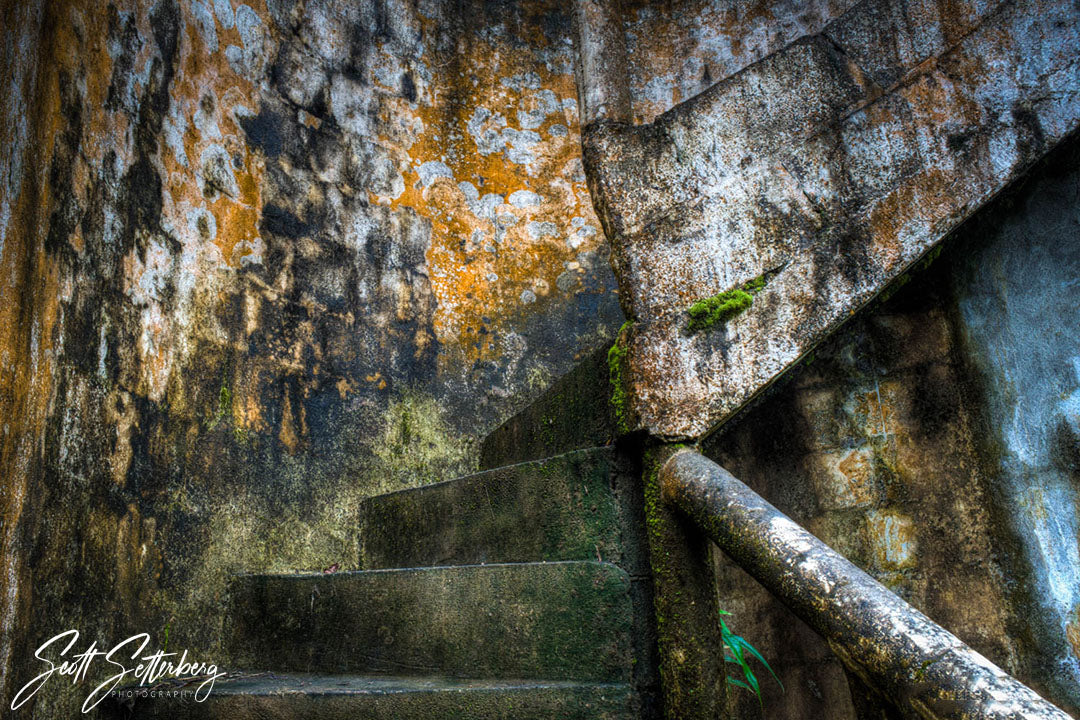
[[845, 478], [877, 410], [208, 87], [939, 98], [309, 120], [345, 387], [923, 197], [250, 416], [30, 284], [857, 468], [481, 267], [287, 435]]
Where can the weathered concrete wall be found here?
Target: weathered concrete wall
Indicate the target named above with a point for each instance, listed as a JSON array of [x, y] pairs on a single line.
[[930, 441], [258, 262]]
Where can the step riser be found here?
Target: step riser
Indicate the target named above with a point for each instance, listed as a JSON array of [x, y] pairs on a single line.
[[563, 508], [574, 413], [555, 621]]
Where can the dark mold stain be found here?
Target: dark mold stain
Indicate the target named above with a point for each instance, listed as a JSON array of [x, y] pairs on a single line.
[[279, 221], [120, 93], [1031, 140], [408, 87], [263, 132], [66, 215]]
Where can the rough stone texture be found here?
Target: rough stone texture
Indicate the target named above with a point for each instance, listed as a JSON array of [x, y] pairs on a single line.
[[1019, 311], [260, 261], [891, 447], [825, 170], [678, 50], [553, 621], [273, 696], [564, 508], [924, 670]]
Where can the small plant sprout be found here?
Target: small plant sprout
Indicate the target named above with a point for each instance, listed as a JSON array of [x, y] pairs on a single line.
[[737, 652]]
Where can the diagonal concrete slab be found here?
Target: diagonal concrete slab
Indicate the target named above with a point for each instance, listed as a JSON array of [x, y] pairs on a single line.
[[751, 221]]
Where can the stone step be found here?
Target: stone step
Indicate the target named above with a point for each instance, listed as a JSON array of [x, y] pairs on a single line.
[[276, 696], [574, 413], [562, 508], [561, 621]]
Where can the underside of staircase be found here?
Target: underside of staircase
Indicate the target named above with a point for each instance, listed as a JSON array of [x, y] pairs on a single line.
[[517, 592]]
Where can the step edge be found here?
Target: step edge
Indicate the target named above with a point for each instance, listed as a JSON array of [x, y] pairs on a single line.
[[408, 683], [481, 473], [432, 568]]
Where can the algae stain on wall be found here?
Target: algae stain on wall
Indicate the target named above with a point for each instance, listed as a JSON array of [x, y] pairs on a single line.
[[418, 446]]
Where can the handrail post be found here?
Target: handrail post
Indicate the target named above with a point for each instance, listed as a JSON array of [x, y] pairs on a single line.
[[921, 668], [692, 674]]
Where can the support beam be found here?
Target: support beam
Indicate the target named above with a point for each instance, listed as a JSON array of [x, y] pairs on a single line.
[[603, 90]]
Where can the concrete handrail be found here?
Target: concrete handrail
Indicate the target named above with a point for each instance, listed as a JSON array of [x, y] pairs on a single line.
[[917, 665]]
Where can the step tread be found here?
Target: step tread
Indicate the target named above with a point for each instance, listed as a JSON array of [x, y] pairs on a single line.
[[284, 683], [559, 508], [300, 695], [563, 620]]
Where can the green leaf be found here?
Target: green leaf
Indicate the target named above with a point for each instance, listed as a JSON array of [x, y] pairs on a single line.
[[737, 650], [764, 662]]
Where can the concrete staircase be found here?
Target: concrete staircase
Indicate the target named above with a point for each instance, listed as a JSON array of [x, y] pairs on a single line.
[[518, 592]]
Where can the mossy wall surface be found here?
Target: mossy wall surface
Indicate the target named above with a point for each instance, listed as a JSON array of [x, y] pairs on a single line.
[[259, 261]]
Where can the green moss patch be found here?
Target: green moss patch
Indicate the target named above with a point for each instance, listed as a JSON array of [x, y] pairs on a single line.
[[619, 396], [707, 313]]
